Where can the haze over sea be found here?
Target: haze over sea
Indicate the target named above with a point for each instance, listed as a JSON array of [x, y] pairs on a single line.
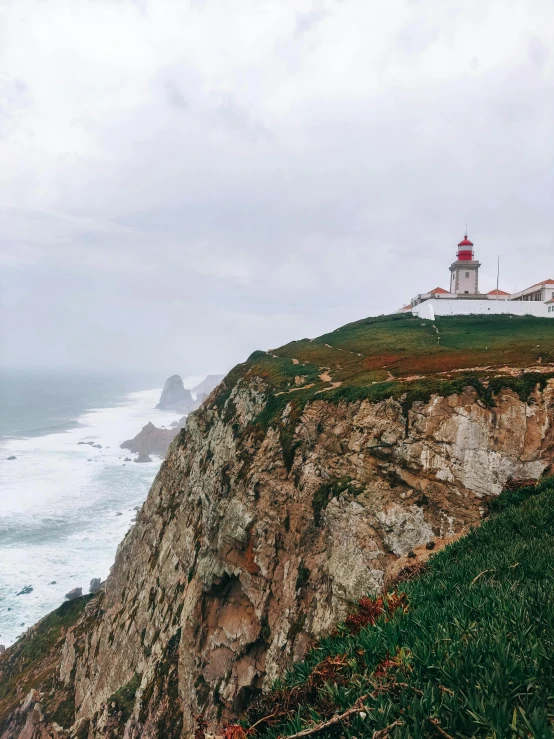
[[60, 500]]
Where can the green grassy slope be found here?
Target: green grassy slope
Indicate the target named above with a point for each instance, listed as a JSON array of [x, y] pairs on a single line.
[[405, 345], [404, 357], [465, 650]]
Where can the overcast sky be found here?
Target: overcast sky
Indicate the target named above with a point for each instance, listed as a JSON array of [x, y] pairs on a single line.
[[185, 181]]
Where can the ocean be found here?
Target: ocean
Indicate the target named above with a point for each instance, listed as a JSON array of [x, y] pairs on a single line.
[[65, 506]]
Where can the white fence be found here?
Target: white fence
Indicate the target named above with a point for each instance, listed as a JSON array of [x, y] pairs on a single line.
[[460, 307]]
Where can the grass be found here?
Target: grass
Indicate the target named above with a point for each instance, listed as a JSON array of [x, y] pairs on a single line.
[[407, 345], [397, 356], [465, 650]]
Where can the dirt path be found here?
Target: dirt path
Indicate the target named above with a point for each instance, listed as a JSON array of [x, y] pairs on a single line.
[[295, 389], [332, 387]]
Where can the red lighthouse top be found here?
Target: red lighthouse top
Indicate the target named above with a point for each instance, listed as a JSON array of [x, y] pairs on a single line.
[[465, 250]]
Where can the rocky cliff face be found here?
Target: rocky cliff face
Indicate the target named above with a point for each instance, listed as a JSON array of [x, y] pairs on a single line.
[[300, 485], [252, 542]]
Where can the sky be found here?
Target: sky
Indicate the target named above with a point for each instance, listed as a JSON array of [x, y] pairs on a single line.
[[185, 181]]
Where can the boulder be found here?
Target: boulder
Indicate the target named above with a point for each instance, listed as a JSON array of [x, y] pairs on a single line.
[[175, 397], [75, 593], [143, 457], [12, 457], [95, 584], [26, 590]]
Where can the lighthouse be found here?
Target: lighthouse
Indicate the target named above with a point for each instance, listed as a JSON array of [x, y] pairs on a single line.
[[464, 272]]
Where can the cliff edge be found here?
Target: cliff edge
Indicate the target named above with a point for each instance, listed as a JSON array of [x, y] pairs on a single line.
[[294, 490]]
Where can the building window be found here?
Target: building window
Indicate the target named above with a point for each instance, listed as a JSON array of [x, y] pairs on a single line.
[[466, 292], [467, 274]]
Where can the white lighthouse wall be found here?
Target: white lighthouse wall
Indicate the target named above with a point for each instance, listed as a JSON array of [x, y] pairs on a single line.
[[467, 280], [460, 307]]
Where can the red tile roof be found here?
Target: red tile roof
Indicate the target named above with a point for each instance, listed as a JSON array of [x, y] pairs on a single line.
[[544, 282], [497, 292], [439, 290]]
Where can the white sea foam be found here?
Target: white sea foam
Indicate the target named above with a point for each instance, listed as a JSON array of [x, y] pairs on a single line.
[[59, 506]]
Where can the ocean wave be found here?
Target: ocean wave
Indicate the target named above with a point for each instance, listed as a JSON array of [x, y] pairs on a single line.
[[66, 505]]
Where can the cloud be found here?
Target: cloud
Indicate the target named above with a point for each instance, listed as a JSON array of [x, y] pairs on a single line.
[[175, 97], [305, 22], [198, 179]]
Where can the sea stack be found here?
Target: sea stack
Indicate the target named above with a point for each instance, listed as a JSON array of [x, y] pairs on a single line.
[[152, 440], [175, 397]]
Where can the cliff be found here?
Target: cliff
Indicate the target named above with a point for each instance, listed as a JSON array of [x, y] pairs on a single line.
[[298, 487]]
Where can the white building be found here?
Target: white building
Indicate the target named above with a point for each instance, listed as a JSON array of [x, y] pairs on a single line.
[[541, 292], [464, 297]]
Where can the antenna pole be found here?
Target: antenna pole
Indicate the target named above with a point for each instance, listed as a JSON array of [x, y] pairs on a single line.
[[498, 273]]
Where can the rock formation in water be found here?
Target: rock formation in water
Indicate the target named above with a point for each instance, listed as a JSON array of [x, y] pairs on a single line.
[[151, 440], [75, 593], [154, 440], [281, 503], [175, 397], [95, 585]]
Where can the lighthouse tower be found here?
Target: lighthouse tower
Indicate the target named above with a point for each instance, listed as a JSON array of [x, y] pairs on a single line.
[[464, 272]]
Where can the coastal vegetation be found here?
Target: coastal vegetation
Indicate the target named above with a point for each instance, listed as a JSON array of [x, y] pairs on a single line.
[[30, 659], [401, 357], [465, 649]]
